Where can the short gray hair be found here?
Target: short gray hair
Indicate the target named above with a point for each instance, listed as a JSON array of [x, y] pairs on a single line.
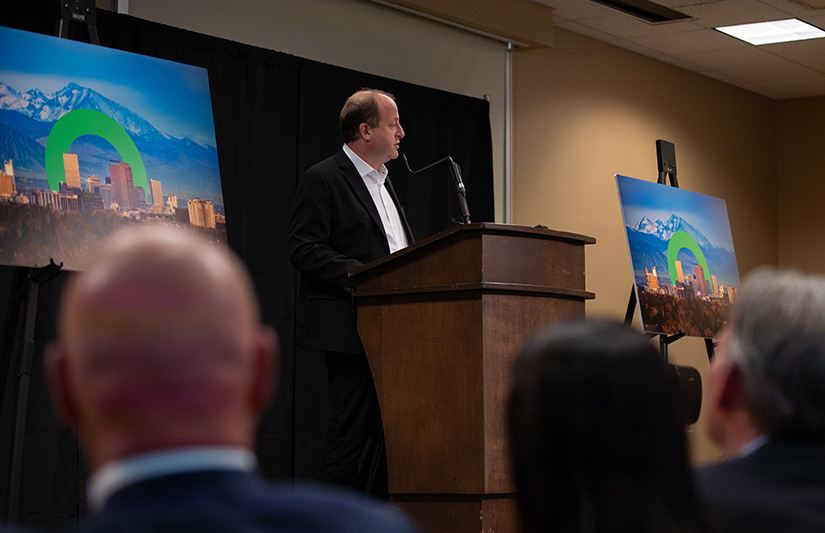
[[777, 341]]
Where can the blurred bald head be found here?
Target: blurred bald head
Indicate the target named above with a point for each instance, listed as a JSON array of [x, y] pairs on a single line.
[[161, 345]]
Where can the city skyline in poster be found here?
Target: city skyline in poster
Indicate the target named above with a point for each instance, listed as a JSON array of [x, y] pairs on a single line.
[[142, 147], [688, 293]]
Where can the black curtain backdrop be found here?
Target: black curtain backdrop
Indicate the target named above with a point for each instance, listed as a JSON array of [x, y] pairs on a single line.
[[275, 115]]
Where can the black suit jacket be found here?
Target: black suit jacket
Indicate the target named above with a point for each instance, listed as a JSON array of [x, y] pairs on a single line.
[[222, 501], [778, 488], [335, 228]]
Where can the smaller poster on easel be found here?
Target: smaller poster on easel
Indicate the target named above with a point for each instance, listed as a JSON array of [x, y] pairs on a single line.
[[682, 254]]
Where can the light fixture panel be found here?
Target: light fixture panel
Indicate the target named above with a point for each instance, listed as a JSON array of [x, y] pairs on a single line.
[[776, 31]]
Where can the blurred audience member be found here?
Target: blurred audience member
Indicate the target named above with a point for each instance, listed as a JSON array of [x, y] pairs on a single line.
[[596, 433], [163, 366], [765, 406]]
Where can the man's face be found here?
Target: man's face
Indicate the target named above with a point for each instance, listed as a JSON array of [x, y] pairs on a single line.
[[717, 376], [386, 138]]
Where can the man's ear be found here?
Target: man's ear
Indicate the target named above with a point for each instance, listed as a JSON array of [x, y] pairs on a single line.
[[57, 375], [365, 131], [267, 361], [732, 390]]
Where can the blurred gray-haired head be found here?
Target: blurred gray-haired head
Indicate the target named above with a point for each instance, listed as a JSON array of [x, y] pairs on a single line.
[[777, 341]]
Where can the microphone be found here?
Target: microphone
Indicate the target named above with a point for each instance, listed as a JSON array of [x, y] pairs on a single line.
[[455, 172]]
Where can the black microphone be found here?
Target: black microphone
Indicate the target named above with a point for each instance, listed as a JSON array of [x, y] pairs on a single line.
[[455, 171]]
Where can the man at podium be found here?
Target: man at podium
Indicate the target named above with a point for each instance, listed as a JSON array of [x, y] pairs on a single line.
[[345, 214]]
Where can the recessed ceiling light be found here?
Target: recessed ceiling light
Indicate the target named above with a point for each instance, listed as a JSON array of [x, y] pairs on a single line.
[[777, 31]]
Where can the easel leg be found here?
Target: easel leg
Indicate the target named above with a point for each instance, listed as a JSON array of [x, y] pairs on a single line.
[[33, 283]]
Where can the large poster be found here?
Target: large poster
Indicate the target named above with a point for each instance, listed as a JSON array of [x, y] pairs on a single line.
[[94, 139], [681, 249]]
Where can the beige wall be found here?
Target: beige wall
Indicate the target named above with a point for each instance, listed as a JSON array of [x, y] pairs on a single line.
[[585, 111], [800, 134]]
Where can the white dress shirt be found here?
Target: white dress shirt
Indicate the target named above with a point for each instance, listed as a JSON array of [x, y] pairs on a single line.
[[374, 180]]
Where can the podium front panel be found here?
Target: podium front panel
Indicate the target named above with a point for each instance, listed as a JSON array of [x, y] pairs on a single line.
[[425, 359], [441, 364]]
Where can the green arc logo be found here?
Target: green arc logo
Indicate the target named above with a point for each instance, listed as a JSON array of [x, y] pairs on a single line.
[[680, 240], [81, 122]]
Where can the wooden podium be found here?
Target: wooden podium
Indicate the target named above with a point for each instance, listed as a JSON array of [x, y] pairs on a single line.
[[441, 321]]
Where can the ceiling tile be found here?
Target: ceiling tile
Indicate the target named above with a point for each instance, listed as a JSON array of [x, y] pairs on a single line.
[[799, 88], [680, 4], [773, 73], [808, 53], [741, 57], [690, 42], [754, 88], [679, 62], [730, 12], [627, 27], [793, 8], [584, 30], [576, 9], [639, 49], [815, 18]]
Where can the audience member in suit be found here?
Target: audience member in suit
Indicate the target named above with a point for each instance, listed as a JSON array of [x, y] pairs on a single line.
[[765, 406], [163, 366], [346, 214], [597, 440]]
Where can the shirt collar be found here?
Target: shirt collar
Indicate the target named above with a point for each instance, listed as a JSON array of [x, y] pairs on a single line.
[[115, 475], [753, 445], [362, 166]]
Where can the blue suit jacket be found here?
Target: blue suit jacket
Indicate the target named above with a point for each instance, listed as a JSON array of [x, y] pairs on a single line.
[[778, 488], [236, 501]]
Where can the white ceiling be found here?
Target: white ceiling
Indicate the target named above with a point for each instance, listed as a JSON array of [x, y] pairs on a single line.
[[779, 71]]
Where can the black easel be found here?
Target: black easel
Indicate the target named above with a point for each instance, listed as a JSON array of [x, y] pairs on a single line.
[[666, 156], [77, 11], [685, 377], [27, 291]]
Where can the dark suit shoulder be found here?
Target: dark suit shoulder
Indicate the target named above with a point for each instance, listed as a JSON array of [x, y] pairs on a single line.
[[221, 501], [331, 166], [342, 510], [779, 487], [321, 168]]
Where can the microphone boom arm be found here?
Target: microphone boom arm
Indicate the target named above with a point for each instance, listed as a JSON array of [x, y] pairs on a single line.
[[455, 172]]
